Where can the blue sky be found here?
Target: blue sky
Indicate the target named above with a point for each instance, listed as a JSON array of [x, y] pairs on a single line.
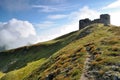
[[36, 11], [47, 19]]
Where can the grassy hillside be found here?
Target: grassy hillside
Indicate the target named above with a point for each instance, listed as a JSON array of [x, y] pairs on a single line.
[[64, 57], [18, 63], [68, 62]]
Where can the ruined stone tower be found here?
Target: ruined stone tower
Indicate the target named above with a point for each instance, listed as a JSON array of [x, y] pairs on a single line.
[[83, 23], [104, 19]]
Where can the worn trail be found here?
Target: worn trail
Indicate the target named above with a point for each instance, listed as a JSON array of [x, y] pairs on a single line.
[[83, 76], [86, 72]]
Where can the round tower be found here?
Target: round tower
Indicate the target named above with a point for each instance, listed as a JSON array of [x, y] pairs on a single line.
[[105, 19]]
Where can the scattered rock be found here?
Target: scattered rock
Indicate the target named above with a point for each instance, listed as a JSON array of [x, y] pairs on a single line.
[[115, 68], [74, 58], [99, 52], [94, 53], [98, 49], [117, 64], [116, 78], [92, 57], [50, 76], [67, 69], [88, 48], [114, 54]]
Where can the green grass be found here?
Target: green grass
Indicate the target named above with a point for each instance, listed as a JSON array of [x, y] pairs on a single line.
[[65, 52], [16, 60], [110, 48], [1, 74], [23, 72]]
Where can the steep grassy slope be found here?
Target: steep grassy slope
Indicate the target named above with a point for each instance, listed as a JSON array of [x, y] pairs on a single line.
[[18, 63], [64, 57], [68, 63]]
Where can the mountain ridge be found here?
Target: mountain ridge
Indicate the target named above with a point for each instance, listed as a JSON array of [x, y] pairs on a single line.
[[64, 57]]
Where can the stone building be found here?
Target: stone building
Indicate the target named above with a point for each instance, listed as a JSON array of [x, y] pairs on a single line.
[[104, 19]]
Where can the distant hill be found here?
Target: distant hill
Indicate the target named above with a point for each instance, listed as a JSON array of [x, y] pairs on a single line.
[[91, 53]]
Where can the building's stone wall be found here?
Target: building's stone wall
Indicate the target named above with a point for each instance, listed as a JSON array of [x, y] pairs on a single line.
[[84, 22], [104, 18]]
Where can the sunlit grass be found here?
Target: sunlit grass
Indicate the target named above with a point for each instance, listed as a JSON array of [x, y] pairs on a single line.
[[1, 74], [23, 72], [68, 51]]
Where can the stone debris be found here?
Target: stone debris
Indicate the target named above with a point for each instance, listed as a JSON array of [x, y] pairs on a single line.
[[50, 76], [92, 73]]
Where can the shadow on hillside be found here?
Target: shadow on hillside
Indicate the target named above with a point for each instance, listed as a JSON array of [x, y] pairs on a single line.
[[18, 58]]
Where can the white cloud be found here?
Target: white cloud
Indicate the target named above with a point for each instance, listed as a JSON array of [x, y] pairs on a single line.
[[115, 18], [74, 17], [84, 12], [58, 16], [73, 25], [54, 8], [44, 8], [115, 4], [47, 8], [16, 33], [114, 10]]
